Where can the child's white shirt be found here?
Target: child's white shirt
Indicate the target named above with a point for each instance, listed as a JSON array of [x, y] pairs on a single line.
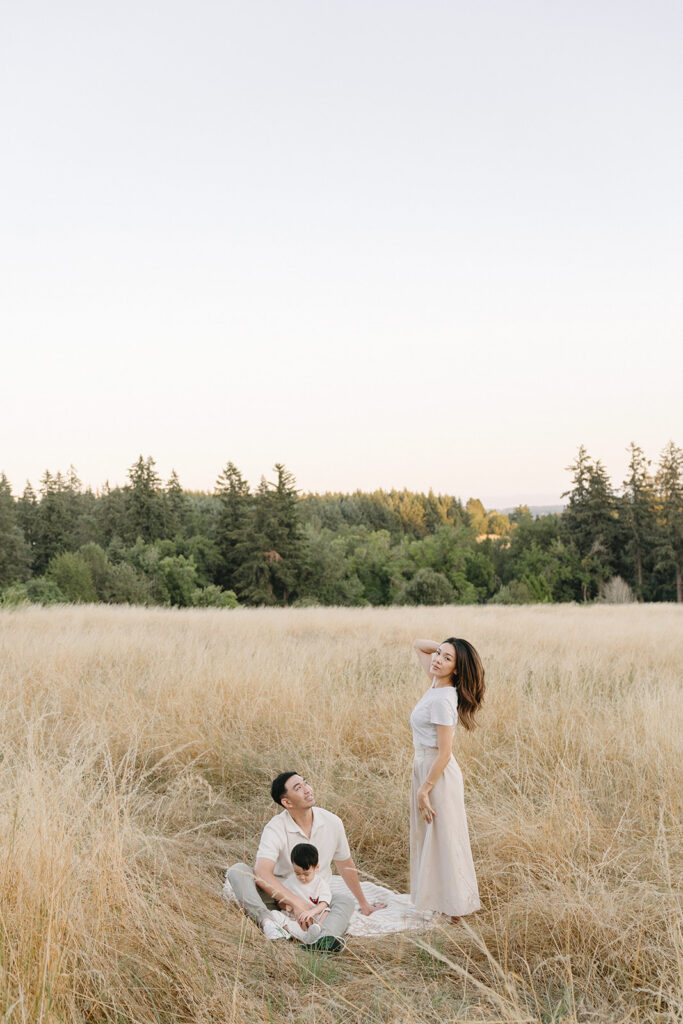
[[317, 891]]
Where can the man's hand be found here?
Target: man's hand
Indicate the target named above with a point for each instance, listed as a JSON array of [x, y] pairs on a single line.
[[347, 869], [369, 908]]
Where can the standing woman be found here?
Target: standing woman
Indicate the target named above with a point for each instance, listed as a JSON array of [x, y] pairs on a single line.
[[442, 876]]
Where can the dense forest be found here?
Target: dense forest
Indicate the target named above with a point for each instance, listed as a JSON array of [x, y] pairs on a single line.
[[151, 543]]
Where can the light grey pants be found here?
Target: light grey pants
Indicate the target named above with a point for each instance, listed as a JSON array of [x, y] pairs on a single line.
[[258, 904]]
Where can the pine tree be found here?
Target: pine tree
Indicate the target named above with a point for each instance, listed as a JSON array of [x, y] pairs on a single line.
[[638, 517], [254, 553], [286, 533], [270, 555], [176, 508], [14, 551], [144, 501], [233, 523], [590, 522], [56, 518], [111, 515], [669, 493], [27, 511], [436, 511]]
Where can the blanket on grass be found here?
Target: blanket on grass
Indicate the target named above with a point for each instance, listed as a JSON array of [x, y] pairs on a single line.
[[400, 915]]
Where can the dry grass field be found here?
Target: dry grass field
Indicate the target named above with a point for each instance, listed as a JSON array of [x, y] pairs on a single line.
[[136, 749]]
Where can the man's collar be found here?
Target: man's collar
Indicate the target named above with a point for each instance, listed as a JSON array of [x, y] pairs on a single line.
[[292, 826]]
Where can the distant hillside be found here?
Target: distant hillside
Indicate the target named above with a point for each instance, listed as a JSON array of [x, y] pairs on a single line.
[[539, 510]]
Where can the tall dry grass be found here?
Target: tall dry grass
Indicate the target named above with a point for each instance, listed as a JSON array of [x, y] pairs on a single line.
[[136, 748]]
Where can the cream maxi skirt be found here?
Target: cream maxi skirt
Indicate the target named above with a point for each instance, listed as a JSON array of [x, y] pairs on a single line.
[[442, 873]]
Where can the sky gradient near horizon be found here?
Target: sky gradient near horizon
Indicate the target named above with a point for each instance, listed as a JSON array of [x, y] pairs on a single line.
[[389, 244]]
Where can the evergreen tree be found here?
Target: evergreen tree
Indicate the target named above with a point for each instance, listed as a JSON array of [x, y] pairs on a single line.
[[14, 551], [81, 511], [285, 533], [111, 515], [144, 502], [436, 511], [638, 518], [55, 520], [271, 554], [603, 519], [409, 513], [145, 543], [232, 524], [254, 553], [27, 510], [669, 491], [590, 522], [73, 490], [176, 508]]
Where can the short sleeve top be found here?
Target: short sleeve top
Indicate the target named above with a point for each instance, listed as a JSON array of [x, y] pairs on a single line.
[[282, 833], [438, 706], [316, 891]]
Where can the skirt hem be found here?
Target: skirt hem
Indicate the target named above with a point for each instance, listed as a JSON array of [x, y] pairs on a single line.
[[442, 875]]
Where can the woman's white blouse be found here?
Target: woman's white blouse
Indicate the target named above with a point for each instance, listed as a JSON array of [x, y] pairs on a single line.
[[438, 706]]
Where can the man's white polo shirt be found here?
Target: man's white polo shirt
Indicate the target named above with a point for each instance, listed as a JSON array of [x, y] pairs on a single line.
[[282, 833]]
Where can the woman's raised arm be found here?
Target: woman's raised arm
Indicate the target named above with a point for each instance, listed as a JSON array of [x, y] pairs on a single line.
[[424, 650]]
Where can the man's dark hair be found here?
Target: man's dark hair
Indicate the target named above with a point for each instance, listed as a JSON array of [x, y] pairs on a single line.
[[277, 789], [304, 855]]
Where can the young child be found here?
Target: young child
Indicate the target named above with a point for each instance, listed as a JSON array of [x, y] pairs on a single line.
[[305, 881]]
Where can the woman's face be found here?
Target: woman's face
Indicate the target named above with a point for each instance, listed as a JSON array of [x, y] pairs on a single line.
[[443, 661]]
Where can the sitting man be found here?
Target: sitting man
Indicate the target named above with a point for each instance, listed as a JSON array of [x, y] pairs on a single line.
[[299, 822]]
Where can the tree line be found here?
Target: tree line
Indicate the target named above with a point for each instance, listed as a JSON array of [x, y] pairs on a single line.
[[153, 543]]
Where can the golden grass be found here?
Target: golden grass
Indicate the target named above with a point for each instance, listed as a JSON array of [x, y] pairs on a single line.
[[136, 751]]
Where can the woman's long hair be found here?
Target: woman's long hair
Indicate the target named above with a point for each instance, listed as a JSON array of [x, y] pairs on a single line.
[[468, 680]]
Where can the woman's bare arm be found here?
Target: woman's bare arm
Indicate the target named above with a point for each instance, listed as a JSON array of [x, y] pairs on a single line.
[[424, 650], [444, 739]]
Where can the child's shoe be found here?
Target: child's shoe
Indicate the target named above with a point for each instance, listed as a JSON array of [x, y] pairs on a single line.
[[272, 928], [305, 935]]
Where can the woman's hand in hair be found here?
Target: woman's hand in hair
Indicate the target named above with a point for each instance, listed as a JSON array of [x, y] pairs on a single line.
[[424, 650]]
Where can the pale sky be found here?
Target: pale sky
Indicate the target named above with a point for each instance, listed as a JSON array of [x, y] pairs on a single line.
[[390, 244]]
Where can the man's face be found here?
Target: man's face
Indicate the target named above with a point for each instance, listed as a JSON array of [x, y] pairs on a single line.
[[298, 794]]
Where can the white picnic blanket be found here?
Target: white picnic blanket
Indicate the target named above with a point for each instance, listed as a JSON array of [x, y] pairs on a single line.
[[399, 916]]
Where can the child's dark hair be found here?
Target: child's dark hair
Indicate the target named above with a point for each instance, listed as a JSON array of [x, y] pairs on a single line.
[[305, 856]]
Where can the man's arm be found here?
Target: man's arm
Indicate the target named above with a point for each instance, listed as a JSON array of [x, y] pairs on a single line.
[[347, 869], [266, 880]]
